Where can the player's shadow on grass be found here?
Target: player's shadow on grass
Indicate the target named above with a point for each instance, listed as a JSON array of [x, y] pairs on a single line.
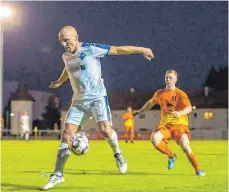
[[104, 172], [19, 187]]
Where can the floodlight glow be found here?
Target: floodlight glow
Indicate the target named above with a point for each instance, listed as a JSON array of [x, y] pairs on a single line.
[[5, 12]]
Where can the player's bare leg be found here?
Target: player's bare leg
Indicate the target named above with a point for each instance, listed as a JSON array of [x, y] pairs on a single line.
[[27, 135], [62, 156], [185, 145], [132, 135], [157, 138], [112, 139], [126, 134]]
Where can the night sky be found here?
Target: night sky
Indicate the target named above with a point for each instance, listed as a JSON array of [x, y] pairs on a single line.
[[189, 37]]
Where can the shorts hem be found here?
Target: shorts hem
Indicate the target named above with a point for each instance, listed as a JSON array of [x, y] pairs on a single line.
[[72, 122]]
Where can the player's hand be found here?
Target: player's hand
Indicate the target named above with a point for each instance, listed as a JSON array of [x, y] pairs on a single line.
[[147, 53], [176, 114], [134, 113], [54, 84]]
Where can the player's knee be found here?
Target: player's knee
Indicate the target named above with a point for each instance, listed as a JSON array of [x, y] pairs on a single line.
[[156, 138], [185, 144], [105, 129], [65, 134], [105, 132], [186, 148]]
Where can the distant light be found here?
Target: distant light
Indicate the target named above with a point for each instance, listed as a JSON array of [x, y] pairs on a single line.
[[11, 114], [91, 118], [193, 107], [208, 115], [5, 12], [132, 90]]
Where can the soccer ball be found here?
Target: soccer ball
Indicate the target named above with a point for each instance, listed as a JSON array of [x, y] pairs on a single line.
[[79, 144]]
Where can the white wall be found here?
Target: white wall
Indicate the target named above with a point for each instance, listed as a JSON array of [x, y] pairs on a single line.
[[18, 108], [204, 129], [214, 128]]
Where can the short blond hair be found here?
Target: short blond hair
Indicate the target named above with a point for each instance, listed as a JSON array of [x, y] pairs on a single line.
[[172, 71]]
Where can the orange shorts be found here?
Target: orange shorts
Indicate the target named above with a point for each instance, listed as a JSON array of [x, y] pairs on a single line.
[[174, 131]]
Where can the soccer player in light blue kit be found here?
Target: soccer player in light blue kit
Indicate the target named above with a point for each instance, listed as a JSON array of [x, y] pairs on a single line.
[[83, 68]]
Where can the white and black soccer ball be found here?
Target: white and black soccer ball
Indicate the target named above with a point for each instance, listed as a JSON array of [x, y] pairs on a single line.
[[79, 144]]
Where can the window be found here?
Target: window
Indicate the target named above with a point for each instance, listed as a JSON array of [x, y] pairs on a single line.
[[208, 115], [142, 116]]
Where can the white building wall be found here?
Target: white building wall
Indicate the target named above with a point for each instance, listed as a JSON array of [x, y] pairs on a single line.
[[17, 110], [221, 118], [215, 128]]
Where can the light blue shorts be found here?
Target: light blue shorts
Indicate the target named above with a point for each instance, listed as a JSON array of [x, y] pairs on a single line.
[[79, 113]]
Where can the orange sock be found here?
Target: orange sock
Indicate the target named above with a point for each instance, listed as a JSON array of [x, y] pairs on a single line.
[[193, 160], [132, 135], [163, 148]]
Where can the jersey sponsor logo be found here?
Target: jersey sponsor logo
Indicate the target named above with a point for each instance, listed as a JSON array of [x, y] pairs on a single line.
[[82, 56], [82, 67], [168, 104], [169, 107], [74, 64]]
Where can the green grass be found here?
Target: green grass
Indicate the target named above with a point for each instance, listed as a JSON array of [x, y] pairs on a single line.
[[23, 161]]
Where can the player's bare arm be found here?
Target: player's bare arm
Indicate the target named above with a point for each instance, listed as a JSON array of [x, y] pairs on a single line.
[[63, 77], [148, 105], [185, 111], [126, 50]]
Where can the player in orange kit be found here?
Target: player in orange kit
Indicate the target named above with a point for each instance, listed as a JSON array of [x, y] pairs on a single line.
[[175, 106], [129, 125]]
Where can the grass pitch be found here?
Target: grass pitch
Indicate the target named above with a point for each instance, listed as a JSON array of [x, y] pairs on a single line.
[[23, 162]]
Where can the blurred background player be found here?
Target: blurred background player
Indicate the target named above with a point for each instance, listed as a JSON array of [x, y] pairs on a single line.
[[129, 125], [1, 125], [24, 120], [83, 69], [175, 106]]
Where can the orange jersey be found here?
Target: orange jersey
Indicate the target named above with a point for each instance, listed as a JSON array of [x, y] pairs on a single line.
[[129, 119], [175, 100]]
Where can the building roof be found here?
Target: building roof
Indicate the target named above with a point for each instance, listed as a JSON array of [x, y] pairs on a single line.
[[21, 94], [215, 98]]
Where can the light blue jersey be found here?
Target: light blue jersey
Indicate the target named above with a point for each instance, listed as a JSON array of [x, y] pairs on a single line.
[[89, 93], [84, 71]]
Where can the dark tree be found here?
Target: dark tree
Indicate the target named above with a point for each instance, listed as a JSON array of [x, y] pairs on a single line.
[[217, 79], [51, 114]]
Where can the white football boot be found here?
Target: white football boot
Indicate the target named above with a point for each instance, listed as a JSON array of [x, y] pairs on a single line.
[[54, 180], [121, 163]]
